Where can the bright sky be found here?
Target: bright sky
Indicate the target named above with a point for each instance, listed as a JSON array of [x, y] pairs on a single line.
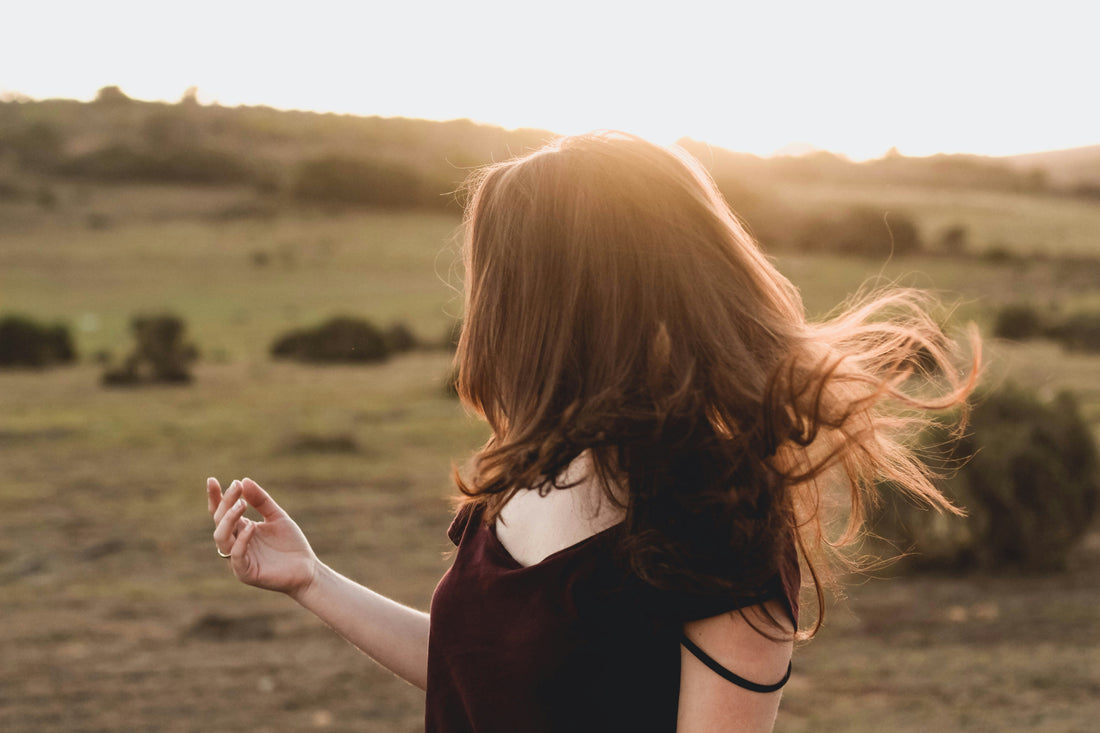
[[857, 78]]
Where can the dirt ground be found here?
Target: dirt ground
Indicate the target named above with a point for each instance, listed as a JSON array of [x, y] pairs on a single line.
[[901, 655], [119, 616]]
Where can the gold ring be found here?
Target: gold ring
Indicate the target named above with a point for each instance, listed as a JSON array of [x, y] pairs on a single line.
[[222, 554]]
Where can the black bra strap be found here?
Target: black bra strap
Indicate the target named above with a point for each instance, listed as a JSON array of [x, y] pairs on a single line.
[[725, 673]]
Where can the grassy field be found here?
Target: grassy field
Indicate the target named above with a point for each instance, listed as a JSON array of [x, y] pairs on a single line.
[[119, 616], [1026, 224]]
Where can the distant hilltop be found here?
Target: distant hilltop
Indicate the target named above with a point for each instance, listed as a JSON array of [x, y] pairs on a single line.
[[309, 155], [1063, 167]]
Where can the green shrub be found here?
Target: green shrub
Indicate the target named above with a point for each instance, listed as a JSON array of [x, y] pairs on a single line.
[[160, 355], [1078, 332], [27, 343], [339, 339], [98, 221], [11, 191], [1022, 321], [767, 217], [1031, 487], [123, 163], [358, 181], [111, 163], [1018, 322], [46, 197], [36, 146], [170, 129], [400, 338], [866, 232], [1001, 254], [1087, 190], [954, 240]]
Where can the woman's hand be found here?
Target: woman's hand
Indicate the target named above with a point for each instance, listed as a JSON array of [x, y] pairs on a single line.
[[272, 554]]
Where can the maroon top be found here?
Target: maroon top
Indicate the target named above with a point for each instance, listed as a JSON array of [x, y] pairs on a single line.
[[572, 643]]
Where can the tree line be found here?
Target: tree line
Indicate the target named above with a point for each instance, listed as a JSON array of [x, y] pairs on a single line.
[[341, 160]]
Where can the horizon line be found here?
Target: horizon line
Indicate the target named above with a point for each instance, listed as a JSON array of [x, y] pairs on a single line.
[[803, 147]]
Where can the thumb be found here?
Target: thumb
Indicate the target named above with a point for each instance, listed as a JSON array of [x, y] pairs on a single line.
[[254, 494]]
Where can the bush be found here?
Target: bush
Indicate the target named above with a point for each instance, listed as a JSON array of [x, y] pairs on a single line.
[[11, 191], [1018, 322], [98, 221], [1079, 332], [170, 130], [191, 165], [766, 216], [861, 231], [35, 146], [339, 339], [954, 240], [1031, 487], [358, 181], [1022, 321], [160, 355], [1001, 254], [46, 197], [400, 338], [27, 343]]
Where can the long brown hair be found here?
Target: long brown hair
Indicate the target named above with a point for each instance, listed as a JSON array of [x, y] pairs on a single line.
[[615, 304]]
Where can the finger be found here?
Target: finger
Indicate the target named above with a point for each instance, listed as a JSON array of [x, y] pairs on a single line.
[[231, 495], [213, 495], [257, 497], [239, 552], [227, 500], [227, 526]]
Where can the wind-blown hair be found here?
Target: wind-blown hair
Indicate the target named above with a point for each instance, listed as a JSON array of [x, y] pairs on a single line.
[[613, 303]]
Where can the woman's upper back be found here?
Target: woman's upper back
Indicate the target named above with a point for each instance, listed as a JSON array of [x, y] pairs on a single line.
[[562, 637], [533, 525]]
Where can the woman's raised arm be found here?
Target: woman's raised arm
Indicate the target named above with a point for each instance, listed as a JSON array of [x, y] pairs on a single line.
[[274, 554]]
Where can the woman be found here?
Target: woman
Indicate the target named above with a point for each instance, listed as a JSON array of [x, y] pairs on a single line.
[[668, 432]]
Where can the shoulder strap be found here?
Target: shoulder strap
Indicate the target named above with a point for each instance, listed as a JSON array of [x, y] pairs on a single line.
[[730, 676], [460, 522]]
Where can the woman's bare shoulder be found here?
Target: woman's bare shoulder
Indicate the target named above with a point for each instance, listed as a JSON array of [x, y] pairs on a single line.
[[709, 701], [533, 526]]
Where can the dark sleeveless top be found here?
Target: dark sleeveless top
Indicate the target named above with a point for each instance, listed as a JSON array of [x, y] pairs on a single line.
[[573, 643]]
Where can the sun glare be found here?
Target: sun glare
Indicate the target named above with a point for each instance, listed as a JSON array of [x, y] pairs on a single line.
[[853, 77]]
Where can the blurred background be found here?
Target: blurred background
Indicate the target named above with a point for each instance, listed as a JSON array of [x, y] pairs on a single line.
[[229, 246]]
